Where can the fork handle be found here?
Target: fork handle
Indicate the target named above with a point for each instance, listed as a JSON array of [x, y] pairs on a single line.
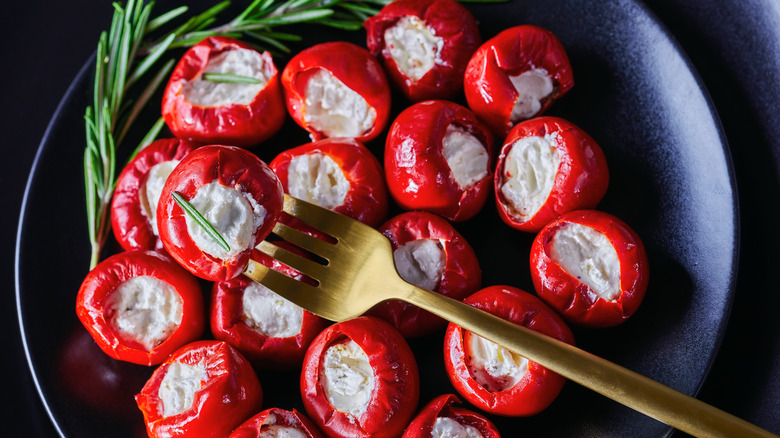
[[620, 384]]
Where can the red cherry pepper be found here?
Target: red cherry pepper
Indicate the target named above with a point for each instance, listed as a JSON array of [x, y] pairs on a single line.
[[460, 275], [396, 381], [272, 420], [227, 393], [573, 298], [538, 387], [446, 19], [441, 407], [366, 199], [580, 181], [416, 170], [353, 66], [232, 123], [94, 309], [489, 91], [233, 168], [132, 213]]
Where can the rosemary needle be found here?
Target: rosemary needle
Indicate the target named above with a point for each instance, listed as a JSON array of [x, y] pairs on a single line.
[[231, 78], [195, 215]]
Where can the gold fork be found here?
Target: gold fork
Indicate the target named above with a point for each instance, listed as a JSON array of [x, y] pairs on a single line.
[[359, 272]]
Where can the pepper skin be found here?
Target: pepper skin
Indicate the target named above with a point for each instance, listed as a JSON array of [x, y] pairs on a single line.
[[231, 167], [460, 276], [233, 123], [574, 299], [109, 274], [489, 91], [580, 181], [441, 406], [275, 417], [227, 321], [417, 173], [366, 199], [131, 224], [396, 381], [353, 66], [538, 387], [229, 394], [447, 19]]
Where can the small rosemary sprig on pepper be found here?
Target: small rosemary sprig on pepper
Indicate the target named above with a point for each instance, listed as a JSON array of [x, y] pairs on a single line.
[[193, 213]]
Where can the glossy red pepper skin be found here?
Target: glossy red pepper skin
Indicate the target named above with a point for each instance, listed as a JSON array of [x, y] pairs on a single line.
[[490, 93], [575, 300], [442, 406], [366, 200], [417, 174], [233, 124], [539, 386], [115, 270], [230, 393], [132, 227], [460, 277], [274, 416], [396, 381], [227, 321], [447, 19], [353, 66], [231, 167], [580, 182]]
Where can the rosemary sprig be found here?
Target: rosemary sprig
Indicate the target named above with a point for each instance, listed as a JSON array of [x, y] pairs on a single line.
[[195, 215], [231, 78]]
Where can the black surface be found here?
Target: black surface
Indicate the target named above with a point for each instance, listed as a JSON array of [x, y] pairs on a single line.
[[732, 44]]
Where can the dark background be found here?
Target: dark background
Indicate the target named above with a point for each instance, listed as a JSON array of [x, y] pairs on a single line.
[[734, 46]]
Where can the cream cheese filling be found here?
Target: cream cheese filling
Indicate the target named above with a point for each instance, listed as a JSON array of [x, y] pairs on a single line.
[[179, 386], [334, 109], [532, 86], [420, 262], [466, 156], [316, 178], [529, 174], [413, 46], [347, 378], [150, 190], [269, 314], [492, 366], [241, 62]]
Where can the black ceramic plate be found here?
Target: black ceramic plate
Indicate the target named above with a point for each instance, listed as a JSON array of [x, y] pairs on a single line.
[[671, 180]]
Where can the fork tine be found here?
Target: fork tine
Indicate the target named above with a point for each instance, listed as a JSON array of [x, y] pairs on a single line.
[[325, 220], [303, 265], [303, 240], [294, 290]]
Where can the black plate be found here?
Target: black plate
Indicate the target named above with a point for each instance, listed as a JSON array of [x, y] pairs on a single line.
[[671, 180]]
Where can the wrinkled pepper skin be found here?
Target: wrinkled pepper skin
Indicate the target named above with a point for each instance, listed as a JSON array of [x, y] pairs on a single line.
[[233, 124], [230, 393], [447, 19], [115, 270], [539, 386], [575, 300], [253, 427], [442, 406]]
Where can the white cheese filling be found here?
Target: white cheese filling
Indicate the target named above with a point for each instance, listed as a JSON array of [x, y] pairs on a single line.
[[446, 427], [492, 366], [234, 214], [532, 86], [150, 190], [348, 379], [179, 386], [318, 179], [420, 262], [588, 255], [413, 46], [242, 62], [269, 314], [529, 174], [465, 155], [270, 429], [334, 109], [145, 310]]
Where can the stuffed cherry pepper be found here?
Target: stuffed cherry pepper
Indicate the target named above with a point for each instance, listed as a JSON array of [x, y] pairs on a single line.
[[140, 306], [591, 267], [493, 378], [516, 75], [425, 45], [440, 419], [438, 158], [277, 423], [205, 389], [266, 328], [360, 379], [235, 192], [337, 89], [138, 188], [431, 254], [339, 174], [223, 91], [547, 166]]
